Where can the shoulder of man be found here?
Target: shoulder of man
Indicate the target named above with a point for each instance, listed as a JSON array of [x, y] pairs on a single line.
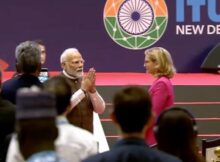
[[164, 157]]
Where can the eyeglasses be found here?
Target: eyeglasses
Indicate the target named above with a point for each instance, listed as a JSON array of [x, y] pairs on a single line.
[[76, 62]]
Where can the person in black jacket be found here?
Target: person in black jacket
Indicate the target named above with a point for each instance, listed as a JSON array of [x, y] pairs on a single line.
[[132, 114], [7, 121], [28, 62]]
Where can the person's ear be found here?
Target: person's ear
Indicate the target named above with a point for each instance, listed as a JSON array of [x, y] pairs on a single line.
[[156, 64], [63, 65]]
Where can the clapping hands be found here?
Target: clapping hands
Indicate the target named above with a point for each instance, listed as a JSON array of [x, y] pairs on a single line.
[[89, 81]]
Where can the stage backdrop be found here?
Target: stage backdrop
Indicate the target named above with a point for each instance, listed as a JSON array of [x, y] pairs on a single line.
[[100, 29]]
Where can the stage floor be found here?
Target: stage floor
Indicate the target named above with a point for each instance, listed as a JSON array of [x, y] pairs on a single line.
[[126, 78]]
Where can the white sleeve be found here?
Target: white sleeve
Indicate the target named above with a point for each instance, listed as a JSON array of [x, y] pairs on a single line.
[[97, 102], [13, 154], [77, 97]]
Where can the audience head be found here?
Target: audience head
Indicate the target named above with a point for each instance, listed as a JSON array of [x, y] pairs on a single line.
[[158, 62], [132, 109], [27, 56], [72, 62], [42, 50], [176, 133], [35, 126], [61, 89]]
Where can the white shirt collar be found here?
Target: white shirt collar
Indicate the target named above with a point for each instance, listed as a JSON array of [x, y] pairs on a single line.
[[68, 76]]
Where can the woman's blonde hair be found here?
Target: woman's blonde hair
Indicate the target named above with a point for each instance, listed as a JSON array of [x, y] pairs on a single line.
[[164, 61]]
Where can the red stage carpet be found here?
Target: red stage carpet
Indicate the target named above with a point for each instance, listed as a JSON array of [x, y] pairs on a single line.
[[146, 79]]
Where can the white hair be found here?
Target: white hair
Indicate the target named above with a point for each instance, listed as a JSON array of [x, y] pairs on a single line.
[[67, 52]]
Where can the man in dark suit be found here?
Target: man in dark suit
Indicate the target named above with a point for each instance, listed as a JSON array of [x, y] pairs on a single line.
[[7, 121], [28, 62], [132, 114]]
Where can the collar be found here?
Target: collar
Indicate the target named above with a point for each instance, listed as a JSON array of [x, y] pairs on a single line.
[[131, 141], [61, 120], [69, 76]]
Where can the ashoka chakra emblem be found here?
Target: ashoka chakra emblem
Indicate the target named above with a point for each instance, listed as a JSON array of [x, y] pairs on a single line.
[[135, 16]]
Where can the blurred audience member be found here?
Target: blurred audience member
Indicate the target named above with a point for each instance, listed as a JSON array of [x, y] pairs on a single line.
[[35, 127], [44, 73], [85, 98], [7, 121], [28, 62], [74, 143], [42, 48], [158, 62], [132, 114], [176, 134]]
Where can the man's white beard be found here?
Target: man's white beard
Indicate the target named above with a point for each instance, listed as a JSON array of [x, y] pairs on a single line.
[[79, 74], [74, 76]]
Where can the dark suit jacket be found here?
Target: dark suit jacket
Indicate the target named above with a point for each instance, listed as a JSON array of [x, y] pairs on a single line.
[[132, 150], [10, 87], [7, 122]]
